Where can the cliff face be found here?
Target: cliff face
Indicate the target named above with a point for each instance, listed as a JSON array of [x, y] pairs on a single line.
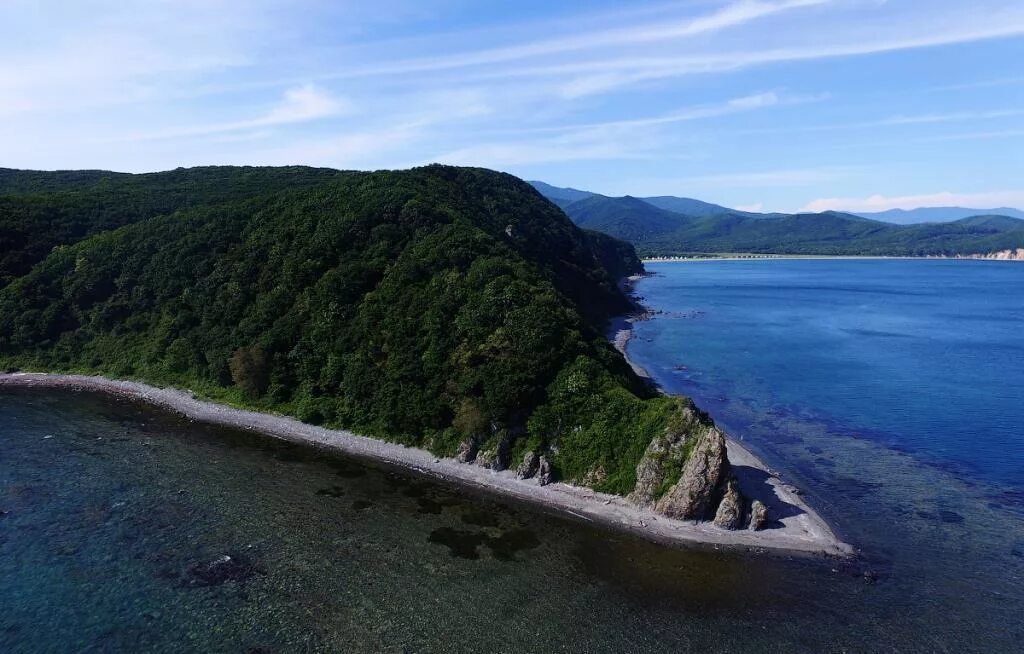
[[1002, 255], [685, 474]]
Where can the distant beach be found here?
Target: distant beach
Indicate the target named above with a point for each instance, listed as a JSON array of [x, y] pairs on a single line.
[[802, 530]]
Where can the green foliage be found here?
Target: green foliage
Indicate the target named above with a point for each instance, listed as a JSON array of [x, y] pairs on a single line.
[[591, 420], [249, 366], [418, 306]]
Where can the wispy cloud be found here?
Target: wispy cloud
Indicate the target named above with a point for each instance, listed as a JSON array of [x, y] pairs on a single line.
[[988, 200], [897, 121], [731, 15], [601, 73], [790, 177], [635, 138], [980, 84], [298, 105]]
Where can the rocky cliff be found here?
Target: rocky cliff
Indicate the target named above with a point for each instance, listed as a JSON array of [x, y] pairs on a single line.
[[685, 473]]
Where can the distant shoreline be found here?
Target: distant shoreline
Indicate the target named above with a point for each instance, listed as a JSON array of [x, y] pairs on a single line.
[[804, 533], [822, 257]]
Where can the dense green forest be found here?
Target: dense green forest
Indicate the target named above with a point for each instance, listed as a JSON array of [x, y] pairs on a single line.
[[432, 307], [678, 226]]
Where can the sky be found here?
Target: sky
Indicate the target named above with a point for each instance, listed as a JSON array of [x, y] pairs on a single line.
[[774, 105]]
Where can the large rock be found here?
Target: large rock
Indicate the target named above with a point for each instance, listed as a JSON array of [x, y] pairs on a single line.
[[731, 511], [485, 458], [467, 451], [707, 466], [758, 515], [690, 460], [545, 473], [664, 454], [502, 453], [528, 468]]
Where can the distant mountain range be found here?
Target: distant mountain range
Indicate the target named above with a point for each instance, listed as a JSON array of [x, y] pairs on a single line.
[[937, 214], [669, 225]]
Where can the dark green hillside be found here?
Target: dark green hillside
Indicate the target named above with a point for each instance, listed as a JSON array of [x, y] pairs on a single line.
[[834, 233], [40, 210], [432, 306], [627, 218]]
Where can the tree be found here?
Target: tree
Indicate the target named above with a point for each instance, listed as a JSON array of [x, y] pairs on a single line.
[[250, 370]]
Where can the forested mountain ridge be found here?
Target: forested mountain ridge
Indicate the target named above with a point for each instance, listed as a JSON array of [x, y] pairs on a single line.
[[40, 210], [655, 229], [449, 308]]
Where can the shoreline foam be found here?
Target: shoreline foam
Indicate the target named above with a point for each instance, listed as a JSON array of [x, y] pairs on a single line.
[[804, 532]]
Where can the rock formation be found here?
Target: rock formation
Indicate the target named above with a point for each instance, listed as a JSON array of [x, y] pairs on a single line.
[[731, 509], [528, 468], [685, 473], [545, 473], [705, 469], [758, 515], [467, 451]]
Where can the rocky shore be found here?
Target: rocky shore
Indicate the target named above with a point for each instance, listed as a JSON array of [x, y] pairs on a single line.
[[794, 528], [719, 481]]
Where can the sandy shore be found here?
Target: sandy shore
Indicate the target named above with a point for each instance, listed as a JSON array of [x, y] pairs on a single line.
[[799, 531]]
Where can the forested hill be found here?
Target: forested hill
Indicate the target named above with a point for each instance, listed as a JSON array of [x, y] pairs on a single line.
[[676, 226], [40, 210], [443, 307]]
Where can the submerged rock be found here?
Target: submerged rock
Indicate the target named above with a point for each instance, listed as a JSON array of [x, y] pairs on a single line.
[[731, 510], [222, 569], [528, 468], [545, 473], [758, 515]]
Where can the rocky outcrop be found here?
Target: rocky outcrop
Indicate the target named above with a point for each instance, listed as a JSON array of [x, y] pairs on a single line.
[[493, 455], [731, 511], [663, 454], [528, 468], [502, 453], [545, 473], [596, 475], [685, 473], [758, 515], [467, 451], [485, 458], [705, 469]]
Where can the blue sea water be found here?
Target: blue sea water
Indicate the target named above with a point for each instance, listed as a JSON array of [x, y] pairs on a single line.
[[925, 357]]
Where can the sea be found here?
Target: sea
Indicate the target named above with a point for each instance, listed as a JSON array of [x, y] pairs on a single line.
[[891, 392]]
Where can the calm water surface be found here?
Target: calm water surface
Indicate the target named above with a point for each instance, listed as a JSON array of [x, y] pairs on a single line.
[[117, 519]]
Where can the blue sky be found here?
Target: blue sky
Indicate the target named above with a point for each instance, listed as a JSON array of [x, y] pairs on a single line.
[[761, 104]]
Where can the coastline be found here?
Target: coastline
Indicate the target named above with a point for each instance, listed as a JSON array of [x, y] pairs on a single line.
[[817, 257], [755, 478], [804, 533]]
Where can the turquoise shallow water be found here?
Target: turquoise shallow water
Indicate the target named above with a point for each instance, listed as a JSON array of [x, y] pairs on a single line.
[[117, 518]]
